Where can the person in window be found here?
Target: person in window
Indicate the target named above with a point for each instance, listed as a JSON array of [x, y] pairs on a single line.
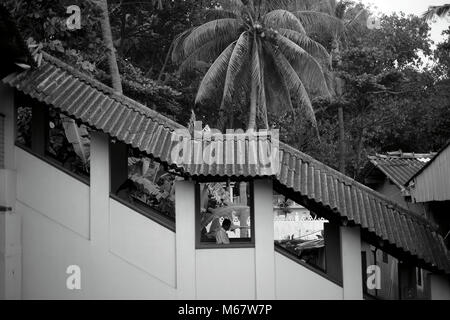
[[221, 234]]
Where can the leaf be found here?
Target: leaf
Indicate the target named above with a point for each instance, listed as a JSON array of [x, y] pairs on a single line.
[[314, 48], [238, 59], [283, 19], [296, 88], [321, 22], [209, 31], [77, 136], [308, 69], [215, 77]]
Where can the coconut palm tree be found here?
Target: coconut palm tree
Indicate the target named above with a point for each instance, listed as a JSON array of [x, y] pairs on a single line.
[[351, 27], [439, 11], [262, 48]]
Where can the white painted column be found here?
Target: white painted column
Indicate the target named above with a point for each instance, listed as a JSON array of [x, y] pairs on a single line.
[[264, 240], [351, 263], [440, 287], [10, 220], [99, 191], [185, 240]]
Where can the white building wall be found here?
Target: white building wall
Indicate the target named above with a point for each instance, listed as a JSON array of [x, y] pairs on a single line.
[[52, 193], [226, 274], [295, 282], [138, 261]]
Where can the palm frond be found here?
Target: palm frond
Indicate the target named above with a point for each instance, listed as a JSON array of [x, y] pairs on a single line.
[[231, 5], [278, 99], [297, 90], [209, 31], [356, 25], [308, 68], [314, 48], [215, 77], [439, 11], [206, 53], [238, 59], [291, 5], [178, 46], [283, 19], [257, 77], [215, 14], [321, 22]]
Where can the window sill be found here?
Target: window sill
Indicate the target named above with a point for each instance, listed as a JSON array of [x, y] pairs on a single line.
[[214, 246], [292, 257]]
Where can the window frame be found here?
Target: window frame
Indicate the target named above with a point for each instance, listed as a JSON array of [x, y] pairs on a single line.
[[333, 254], [40, 151], [235, 244], [141, 208]]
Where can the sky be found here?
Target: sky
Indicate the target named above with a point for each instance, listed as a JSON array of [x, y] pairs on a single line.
[[417, 7]]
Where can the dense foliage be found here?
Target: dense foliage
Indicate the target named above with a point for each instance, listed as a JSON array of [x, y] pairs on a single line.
[[397, 86]]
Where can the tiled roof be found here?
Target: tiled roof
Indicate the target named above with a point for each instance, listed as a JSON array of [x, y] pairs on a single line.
[[399, 167], [85, 99], [361, 205], [95, 104]]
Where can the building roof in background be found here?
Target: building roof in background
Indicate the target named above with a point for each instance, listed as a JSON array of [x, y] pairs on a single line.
[[399, 167], [429, 163], [85, 99], [432, 182]]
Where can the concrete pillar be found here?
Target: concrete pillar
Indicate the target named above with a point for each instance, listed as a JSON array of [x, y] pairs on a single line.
[[264, 240], [99, 192], [10, 220], [439, 287], [351, 263], [185, 199]]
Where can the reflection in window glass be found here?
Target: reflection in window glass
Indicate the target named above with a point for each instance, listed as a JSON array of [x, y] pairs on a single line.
[[299, 231], [225, 215], [149, 185], [24, 115], [68, 143]]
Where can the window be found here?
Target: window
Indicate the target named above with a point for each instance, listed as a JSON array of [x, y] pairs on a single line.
[[68, 143], [399, 281], [23, 121], [306, 237], [142, 183], [225, 215], [53, 137]]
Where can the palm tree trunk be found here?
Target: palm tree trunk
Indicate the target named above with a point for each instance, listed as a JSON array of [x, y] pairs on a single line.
[[342, 162], [253, 107], [166, 62], [339, 91], [110, 51]]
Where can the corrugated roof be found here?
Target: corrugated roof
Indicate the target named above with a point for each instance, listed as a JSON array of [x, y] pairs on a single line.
[[85, 99], [398, 167]]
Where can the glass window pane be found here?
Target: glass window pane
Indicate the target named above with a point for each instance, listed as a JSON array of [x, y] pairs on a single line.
[[23, 125], [148, 186], [68, 143], [299, 231], [225, 213]]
